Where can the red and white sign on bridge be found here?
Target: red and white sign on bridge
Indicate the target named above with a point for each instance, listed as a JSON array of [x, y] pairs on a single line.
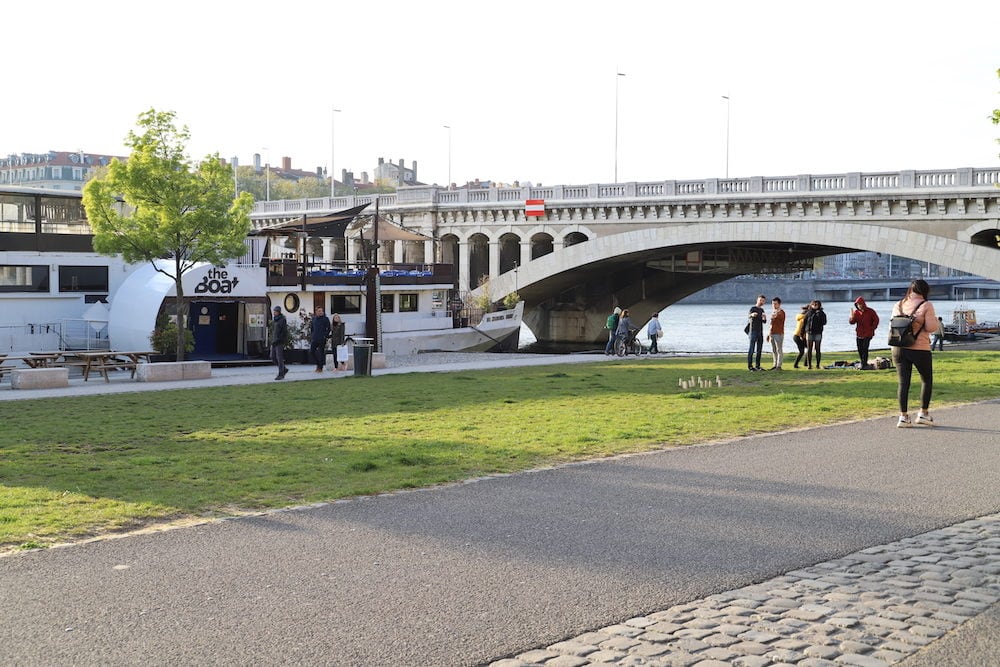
[[534, 208]]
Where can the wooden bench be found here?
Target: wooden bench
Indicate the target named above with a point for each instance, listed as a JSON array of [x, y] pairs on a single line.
[[39, 378], [173, 371]]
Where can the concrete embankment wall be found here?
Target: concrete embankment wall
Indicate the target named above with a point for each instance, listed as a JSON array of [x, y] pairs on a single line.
[[745, 291], [801, 291]]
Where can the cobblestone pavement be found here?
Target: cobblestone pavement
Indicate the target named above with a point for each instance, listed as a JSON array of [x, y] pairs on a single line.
[[867, 609]]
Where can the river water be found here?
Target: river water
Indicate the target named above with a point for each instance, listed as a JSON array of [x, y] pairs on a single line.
[[712, 328]]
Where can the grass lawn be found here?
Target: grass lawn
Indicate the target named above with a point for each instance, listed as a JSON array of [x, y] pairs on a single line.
[[76, 467]]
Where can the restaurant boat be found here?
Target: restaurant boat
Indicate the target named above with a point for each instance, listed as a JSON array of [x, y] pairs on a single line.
[[57, 293], [407, 307]]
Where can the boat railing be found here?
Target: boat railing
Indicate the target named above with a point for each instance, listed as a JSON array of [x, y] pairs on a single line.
[[287, 271]]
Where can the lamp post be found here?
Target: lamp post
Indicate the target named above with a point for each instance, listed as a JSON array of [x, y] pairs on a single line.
[[448, 127], [618, 76], [726, 98], [333, 135], [267, 174]]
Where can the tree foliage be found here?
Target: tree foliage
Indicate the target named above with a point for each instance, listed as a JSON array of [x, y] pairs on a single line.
[[175, 210]]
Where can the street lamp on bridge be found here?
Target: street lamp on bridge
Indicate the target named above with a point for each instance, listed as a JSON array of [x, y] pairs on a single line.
[[448, 127], [726, 98], [618, 76], [333, 172]]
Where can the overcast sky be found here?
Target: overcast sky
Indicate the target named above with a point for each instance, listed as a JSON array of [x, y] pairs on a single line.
[[528, 88]]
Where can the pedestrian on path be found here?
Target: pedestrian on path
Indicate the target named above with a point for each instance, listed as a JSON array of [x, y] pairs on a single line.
[[865, 321], [279, 338], [937, 338], [776, 335], [815, 322], [319, 333], [654, 331], [916, 306], [755, 329], [337, 341], [612, 326], [799, 337]]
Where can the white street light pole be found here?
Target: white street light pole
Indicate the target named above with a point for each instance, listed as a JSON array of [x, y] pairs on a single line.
[[618, 77], [448, 127], [726, 98], [333, 136], [267, 174]]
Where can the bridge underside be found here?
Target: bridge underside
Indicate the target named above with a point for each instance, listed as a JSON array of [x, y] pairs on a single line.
[[569, 310]]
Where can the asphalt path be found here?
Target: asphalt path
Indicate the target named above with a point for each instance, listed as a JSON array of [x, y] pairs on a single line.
[[467, 573]]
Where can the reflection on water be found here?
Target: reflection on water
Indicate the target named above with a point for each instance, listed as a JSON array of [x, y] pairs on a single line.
[[704, 328]]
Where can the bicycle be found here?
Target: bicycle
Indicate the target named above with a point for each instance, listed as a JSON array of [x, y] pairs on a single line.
[[629, 344]]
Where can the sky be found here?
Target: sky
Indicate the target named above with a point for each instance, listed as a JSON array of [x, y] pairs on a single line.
[[530, 90]]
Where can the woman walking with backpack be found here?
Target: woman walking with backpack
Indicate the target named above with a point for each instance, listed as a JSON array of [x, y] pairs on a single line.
[[916, 306], [815, 321]]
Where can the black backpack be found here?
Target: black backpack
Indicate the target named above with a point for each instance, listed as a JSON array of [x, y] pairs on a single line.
[[901, 333]]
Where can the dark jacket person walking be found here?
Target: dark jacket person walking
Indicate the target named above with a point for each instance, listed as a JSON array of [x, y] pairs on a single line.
[[319, 332], [279, 338]]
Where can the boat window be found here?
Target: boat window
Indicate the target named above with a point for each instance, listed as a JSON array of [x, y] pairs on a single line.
[[24, 278], [83, 279], [349, 303], [408, 303], [388, 303]]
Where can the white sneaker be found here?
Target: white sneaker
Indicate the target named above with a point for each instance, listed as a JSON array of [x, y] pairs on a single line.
[[925, 420], [904, 422]]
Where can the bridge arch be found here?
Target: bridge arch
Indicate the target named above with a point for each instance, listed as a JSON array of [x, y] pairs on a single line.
[[479, 258], [542, 244], [510, 251], [984, 232], [574, 237], [623, 257]]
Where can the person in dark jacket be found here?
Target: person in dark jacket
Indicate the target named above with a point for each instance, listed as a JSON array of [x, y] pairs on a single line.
[[755, 321], [865, 321], [319, 332], [337, 338], [279, 338], [815, 321]]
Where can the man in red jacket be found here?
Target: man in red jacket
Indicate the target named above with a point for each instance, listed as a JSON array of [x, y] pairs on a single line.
[[866, 321]]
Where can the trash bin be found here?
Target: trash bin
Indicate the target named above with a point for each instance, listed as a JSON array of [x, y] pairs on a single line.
[[362, 359]]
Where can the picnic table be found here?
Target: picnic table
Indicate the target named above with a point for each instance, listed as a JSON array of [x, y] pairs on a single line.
[[101, 361], [31, 360]]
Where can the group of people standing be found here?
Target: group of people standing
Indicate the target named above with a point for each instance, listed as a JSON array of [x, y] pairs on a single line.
[[621, 327], [321, 330], [808, 337]]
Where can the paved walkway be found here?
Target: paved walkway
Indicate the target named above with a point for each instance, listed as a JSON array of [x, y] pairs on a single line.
[[121, 382], [871, 608]]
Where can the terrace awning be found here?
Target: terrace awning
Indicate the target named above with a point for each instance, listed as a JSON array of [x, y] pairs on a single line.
[[326, 226]]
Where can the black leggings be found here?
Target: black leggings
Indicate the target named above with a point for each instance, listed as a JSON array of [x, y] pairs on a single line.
[[905, 359], [800, 342]]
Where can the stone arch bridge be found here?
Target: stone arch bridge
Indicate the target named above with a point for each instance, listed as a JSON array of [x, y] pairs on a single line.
[[647, 245]]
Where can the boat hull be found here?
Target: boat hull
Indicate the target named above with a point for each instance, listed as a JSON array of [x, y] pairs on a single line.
[[496, 332]]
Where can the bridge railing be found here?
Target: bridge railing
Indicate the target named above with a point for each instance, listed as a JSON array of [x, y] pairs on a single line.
[[423, 195]]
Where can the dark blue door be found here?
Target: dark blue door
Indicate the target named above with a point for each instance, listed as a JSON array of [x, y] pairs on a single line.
[[204, 319]]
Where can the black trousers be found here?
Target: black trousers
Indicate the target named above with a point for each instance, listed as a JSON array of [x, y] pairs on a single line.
[[863, 345], [905, 360], [317, 352]]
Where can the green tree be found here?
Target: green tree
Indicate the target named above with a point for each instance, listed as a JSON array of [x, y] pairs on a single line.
[[175, 210]]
